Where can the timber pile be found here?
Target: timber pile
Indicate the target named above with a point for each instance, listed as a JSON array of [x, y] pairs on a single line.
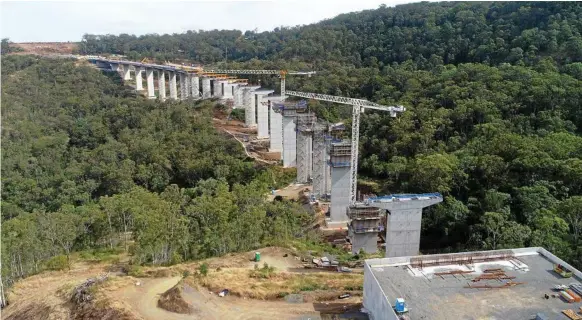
[[571, 314]]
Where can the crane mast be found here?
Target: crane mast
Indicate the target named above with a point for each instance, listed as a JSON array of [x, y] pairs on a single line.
[[357, 106]]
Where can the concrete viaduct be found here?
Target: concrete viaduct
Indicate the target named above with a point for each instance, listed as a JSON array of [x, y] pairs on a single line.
[[304, 142]]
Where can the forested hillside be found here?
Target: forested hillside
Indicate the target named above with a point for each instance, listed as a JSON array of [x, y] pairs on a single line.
[[87, 165], [493, 92], [427, 33]]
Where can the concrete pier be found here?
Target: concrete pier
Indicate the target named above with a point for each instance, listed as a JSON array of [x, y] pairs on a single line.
[[126, 72], [248, 103], [173, 86], [217, 86], [138, 79], [364, 227], [162, 85], [305, 123], [275, 125], [150, 83], [195, 86], [319, 162], [262, 113], [228, 90], [403, 220], [238, 96], [289, 142], [303, 155], [183, 86], [340, 160], [206, 89], [276, 130]]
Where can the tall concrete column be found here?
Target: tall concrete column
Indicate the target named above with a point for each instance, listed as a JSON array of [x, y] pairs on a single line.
[[217, 86], [403, 221], [126, 72], [238, 96], [310, 157], [138, 78], [173, 86], [183, 86], [253, 110], [276, 130], [228, 87], [262, 113], [162, 85], [195, 86], [302, 156], [150, 83], [248, 102], [289, 143], [319, 162], [262, 117], [206, 89], [340, 160]]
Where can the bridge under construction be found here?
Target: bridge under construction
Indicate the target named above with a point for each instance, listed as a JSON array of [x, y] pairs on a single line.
[[316, 148]]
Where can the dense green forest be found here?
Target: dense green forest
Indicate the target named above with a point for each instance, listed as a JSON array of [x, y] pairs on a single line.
[[87, 165], [493, 92], [427, 33]]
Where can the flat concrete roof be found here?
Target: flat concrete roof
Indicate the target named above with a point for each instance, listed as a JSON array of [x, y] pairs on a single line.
[[433, 296]]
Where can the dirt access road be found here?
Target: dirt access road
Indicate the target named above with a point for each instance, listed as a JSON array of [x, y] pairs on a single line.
[[142, 302]]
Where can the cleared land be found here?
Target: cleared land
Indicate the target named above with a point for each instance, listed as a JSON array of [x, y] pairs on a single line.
[[290, 292]]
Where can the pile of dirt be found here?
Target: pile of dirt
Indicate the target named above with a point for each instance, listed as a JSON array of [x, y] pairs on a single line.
[[173, 300]]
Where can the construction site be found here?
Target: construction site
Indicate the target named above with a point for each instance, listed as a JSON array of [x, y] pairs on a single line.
[[500, 284], [278, 130]]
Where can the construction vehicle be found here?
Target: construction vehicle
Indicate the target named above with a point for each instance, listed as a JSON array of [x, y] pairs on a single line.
[[562, 271]]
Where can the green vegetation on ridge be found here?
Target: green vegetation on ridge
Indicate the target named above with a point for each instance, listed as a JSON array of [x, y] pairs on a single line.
[[88, 165]]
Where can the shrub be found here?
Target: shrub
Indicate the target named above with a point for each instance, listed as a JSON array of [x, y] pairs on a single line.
[[203, 269], [59, 262], [135, 271], [263, 273]]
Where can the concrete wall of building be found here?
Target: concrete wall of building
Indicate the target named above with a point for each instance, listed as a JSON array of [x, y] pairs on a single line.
[[375, 299], [289, 143], [340, 193]]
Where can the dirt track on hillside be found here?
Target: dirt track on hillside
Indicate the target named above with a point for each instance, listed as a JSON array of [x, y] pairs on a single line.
[[142, 302]]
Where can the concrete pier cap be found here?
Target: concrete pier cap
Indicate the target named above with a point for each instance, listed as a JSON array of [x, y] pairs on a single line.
[[403, 220]]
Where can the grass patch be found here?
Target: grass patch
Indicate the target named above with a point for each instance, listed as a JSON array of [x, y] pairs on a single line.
[[101, 255], [245, 283]]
